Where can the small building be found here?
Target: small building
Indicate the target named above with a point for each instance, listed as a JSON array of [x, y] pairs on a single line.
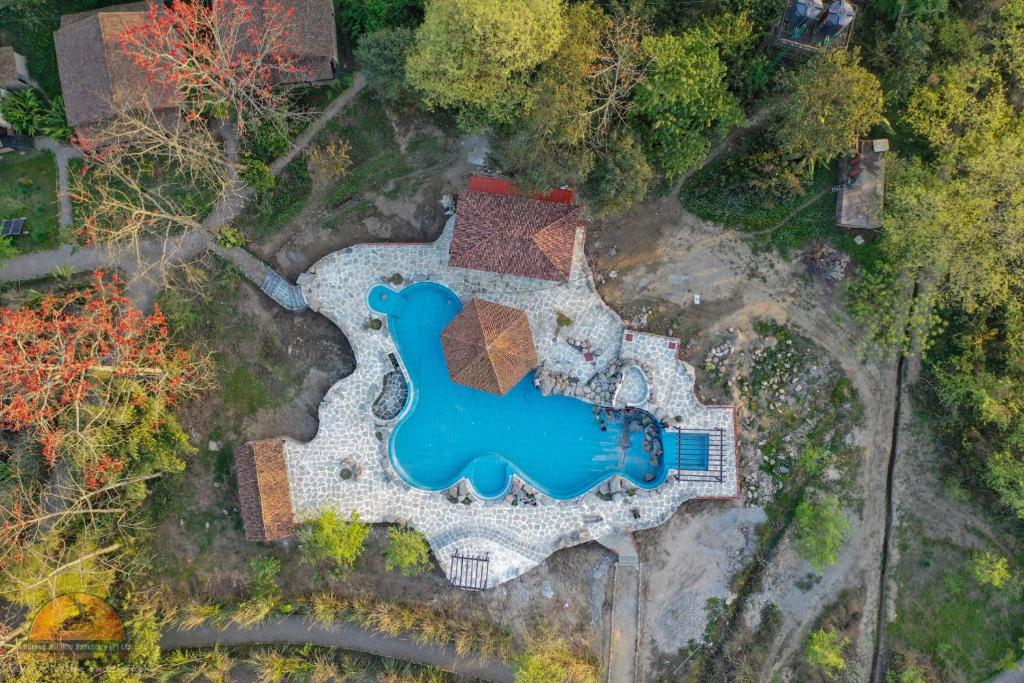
[[97, 77], [809, 26], [500, 231], [13, 70], [861, 189], [489, 347], [264, 496]]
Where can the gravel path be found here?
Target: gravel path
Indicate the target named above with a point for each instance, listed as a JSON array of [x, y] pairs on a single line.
[[62, 153], [299, 630]]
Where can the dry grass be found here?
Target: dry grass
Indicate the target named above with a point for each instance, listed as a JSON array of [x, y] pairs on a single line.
[[195, 614], [252, 612]]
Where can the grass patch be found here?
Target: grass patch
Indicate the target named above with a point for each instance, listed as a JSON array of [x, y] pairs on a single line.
[[274, 209], [28, 189], [720, 193], [243, 392], [376, 156], [965, 629]]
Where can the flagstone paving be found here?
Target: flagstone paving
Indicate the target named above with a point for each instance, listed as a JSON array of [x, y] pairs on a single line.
[[518, 537]]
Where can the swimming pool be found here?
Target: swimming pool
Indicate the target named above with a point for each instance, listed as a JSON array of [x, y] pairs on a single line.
[[448, 431]]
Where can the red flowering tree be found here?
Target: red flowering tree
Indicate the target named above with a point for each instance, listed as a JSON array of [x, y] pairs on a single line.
[[225, 58], [73, 358]]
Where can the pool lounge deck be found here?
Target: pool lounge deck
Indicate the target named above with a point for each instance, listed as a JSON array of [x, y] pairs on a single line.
[[515, 538]]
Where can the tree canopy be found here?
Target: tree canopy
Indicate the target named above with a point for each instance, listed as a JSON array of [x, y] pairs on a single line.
[[831, 103], [475, 56]]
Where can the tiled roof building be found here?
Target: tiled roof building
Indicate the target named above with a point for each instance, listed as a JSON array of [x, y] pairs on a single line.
[[489, 346], [97, 77], [514, 235], [264, 496]]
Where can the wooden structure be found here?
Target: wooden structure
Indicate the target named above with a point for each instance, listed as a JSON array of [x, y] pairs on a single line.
[[861, 189], [264, 497], [811, 26], [489, 347]]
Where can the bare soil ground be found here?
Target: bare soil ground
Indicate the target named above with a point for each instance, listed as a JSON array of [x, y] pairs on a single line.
[[657, 257]]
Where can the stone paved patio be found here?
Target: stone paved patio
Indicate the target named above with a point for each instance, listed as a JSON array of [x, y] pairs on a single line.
[[516, 537]]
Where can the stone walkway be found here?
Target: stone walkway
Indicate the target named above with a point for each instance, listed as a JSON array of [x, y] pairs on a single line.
[[300, 631], [515, 538], [625, 619]]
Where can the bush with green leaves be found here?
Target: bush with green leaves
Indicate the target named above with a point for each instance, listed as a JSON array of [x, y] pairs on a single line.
[[407, 551], [824, 651], [269, 141], [263, 573], [230, 237], [621, 176], [330, 539], [258, 175], [821, 530], [359, 17], [25, 111], [382, 55]]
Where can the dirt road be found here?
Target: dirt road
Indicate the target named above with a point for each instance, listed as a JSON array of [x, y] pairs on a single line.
[[660, 253]]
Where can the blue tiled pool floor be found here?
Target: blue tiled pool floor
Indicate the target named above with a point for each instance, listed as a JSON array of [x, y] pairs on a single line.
[[448, 431]]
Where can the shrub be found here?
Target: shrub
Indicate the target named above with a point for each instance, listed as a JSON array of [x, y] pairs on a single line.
[[263, 572], [620, 177], [270, 140], [54, 121], [990, 569], [258, 175], [24, 110], [407, 552], [821, 531], [824, 651], [562, 319], [363, 16], [330, 161], [329, 538], [230, 238]]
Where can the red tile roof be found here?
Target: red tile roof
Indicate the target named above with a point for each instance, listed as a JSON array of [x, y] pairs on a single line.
[[488, 346], [264, 497], [514, 235]]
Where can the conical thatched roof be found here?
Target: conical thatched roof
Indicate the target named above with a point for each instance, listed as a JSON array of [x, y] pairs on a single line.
[[489, 346]]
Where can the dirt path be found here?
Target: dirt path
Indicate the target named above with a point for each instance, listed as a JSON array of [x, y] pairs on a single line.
[[659, 252], [303, 140], [300, 631]]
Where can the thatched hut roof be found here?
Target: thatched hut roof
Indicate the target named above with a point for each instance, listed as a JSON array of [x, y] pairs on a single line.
[[489, 346], [264, 497]]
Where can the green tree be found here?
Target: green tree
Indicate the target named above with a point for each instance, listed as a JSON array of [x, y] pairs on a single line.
[[824, 651], [328, 538], [475, 56], [407, 551], [621, 176], [821, 530], [548, 146], [833, 101], [683, 101], [359, 17], [382, 55]]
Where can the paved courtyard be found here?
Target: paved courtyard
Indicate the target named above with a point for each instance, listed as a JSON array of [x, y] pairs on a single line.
[[576, 359]]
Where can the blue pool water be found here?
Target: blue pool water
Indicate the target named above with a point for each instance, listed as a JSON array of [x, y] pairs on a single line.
[[448, 431]]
